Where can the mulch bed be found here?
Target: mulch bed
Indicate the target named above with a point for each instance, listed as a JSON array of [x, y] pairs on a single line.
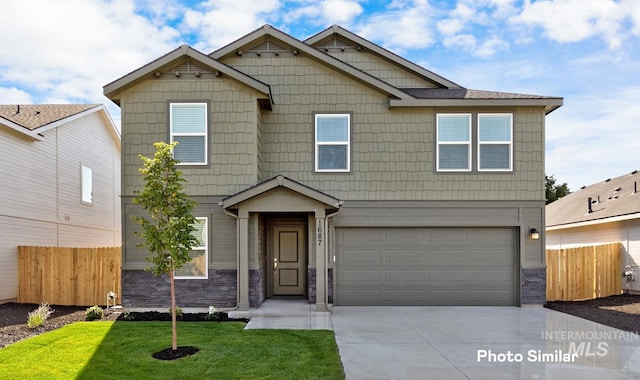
[[619, 311]]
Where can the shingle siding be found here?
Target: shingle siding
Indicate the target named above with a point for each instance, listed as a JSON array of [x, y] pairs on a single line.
[[393, 150], [232, 140]]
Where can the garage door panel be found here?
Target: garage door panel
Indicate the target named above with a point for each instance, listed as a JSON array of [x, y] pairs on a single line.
[[361, 297], [361, 255], [403, 255], [360, 235], [425, 266], [404, 276], [403, 296], [441, 255]]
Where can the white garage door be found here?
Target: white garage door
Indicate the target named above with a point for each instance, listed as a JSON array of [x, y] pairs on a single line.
[[426, 266]]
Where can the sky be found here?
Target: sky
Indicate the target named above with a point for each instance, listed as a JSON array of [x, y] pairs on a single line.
[[585, 51]]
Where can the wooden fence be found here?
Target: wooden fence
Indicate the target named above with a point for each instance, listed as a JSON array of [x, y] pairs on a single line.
[[584, 272], [68, 276]]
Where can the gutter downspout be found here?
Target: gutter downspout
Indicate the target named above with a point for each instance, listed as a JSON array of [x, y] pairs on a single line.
[[326, 251], [237, 259]]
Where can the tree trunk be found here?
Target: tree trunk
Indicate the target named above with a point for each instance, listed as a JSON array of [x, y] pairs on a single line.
[[174, 328]]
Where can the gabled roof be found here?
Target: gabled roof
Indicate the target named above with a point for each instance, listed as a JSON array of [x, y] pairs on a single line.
[[33, 119], [611, 200], [449, 93], [382, 53], [280, 181], [113, 89], [311, 52]]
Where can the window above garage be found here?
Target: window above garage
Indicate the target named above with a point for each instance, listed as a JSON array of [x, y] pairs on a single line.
[[490, 133]]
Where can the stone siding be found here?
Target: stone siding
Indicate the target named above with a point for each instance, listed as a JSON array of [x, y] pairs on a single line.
[[534, 286]]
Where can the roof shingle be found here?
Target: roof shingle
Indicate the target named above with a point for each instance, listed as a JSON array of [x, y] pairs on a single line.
[[34, 116]]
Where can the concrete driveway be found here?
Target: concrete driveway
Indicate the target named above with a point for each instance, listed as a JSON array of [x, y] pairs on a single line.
[[480, 343]]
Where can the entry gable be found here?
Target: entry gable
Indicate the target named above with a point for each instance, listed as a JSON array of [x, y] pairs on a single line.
[[306, 194]]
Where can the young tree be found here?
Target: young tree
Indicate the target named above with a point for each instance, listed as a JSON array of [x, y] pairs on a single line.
[[553, 191], [168, 231]]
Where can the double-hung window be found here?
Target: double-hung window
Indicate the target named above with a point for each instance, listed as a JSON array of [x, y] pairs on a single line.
[[332, 142], [495, 142], [454, 142], [189, 128], [198, 266]]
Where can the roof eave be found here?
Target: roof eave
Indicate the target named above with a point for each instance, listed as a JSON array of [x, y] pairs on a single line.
[[384, 53], [550, 104], [611, 219], [20, 129]]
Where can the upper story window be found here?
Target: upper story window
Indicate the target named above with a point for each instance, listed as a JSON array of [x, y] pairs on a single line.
[[198, 266], [86, 185], [189, 128], [495, 142], [454, 142], [332, 142]]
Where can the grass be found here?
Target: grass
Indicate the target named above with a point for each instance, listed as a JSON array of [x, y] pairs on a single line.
[[108, 350]]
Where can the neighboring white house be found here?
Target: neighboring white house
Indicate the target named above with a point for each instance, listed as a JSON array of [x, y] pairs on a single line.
[[60, 170], [605, 212]]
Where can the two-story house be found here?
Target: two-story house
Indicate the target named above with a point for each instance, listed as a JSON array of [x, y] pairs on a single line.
[[60, 187], [334, 170]]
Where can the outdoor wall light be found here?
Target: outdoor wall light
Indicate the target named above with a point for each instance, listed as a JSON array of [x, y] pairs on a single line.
[[535, 235]]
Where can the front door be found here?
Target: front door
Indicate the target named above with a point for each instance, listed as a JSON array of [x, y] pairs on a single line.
[[289, 264]]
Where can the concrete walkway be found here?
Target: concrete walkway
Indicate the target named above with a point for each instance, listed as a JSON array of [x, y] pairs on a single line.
[[463, 342]]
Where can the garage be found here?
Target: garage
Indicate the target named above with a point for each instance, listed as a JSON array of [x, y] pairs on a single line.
[[426, 266]]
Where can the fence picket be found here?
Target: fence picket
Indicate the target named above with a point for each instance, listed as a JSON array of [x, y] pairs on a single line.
[[584, 272], [68, 276]]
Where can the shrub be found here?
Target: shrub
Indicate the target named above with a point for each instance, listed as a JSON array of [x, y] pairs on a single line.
[[93, 313], [179, 312], [37, 317]]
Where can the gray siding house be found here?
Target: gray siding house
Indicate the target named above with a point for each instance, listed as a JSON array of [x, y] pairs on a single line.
[[60, 181], [333, 170], [601, 213]]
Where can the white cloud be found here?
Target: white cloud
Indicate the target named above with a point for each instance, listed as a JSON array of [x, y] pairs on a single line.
[[324, 13], [67, 50], [577, 20], [14, 96], [584, 147], [404, 25], [223, 21], [477, 26]]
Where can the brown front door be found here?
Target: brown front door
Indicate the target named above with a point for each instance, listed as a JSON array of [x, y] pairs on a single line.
[[289, 266]]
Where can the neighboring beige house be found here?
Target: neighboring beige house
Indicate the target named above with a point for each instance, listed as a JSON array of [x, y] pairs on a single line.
[[333, 170], [605, 212], [60, 181]]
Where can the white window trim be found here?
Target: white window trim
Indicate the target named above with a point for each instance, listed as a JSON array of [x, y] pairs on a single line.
[[83, 173], [204, 248], [510, 142], [468, 143], [346, 143], [205, 133]]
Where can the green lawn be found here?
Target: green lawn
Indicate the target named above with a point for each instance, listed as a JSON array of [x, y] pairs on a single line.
[[108, 350]]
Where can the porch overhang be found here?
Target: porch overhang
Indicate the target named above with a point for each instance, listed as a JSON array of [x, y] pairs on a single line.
[[233, 201], [281, 195]]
